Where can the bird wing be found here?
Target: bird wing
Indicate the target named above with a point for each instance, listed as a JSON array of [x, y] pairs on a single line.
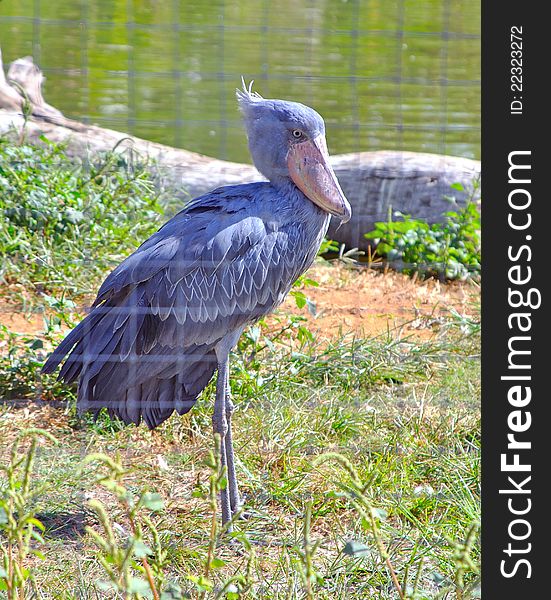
[[147, 346], [215, 266]]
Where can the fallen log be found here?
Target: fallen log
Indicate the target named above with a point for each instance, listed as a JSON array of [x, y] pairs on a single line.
[[375, 183], [413, 183]]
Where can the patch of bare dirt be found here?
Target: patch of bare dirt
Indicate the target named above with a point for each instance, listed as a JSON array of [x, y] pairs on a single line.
[[368, 303], [14, 318], [348, 300]]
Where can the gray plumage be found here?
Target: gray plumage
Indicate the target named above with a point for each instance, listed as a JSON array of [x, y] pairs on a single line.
[[229, 258], [168, 316]]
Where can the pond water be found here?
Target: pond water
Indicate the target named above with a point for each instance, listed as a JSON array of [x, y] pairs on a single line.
[[385, 74]]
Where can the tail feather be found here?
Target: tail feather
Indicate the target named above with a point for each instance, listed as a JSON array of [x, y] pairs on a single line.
[[115, 373], [83, 337], [72, 338]]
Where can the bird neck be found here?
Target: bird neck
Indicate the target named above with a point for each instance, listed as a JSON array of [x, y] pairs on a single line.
[[282, 183], [287, 188], [297, 203]]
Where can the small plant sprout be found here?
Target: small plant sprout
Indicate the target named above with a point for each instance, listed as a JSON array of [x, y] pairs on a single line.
[[355, 492], [133, 561], [19, 527], [231, 587], [310, 578]]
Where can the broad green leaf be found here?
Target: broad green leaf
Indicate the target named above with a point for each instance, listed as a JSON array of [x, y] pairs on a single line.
[[141, 549], [36, 523], [202, 583], [379, 513], [137, 585], [152, 501], [172, 592], [300, 299], [217, 563]]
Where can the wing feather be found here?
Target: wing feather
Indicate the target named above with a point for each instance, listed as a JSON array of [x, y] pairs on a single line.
[[147, 347]]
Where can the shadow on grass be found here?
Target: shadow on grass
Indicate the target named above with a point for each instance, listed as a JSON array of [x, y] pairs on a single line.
[[66, 525]]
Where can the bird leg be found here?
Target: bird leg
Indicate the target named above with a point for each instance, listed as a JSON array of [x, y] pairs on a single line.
[[220, 426], [235, 500], [223, 408]]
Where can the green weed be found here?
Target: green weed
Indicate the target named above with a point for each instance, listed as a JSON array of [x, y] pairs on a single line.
[[449, 250], [64, 222], [19, 527]]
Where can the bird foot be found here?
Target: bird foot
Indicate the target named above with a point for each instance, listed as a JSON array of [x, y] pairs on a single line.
[[239, 512], [242, 514], [238, 509]]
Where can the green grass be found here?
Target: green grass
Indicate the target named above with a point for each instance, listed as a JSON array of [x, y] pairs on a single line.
[[404, 413], [65, 221]]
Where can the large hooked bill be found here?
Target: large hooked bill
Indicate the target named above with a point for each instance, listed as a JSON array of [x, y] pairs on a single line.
[[309, 167]]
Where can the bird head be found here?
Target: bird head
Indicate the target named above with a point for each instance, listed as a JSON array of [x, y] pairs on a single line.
[[287, 142]]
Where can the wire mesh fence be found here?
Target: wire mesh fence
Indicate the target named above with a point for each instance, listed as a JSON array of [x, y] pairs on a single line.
[[359, 363], [398, 75], [385, 75]]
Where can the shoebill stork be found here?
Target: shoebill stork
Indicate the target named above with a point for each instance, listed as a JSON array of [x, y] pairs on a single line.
[[169, 315]]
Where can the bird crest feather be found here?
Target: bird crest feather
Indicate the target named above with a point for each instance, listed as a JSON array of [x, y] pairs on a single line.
[[246, 96]]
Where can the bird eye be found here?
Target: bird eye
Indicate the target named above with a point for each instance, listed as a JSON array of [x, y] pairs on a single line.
[[297, 133]]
